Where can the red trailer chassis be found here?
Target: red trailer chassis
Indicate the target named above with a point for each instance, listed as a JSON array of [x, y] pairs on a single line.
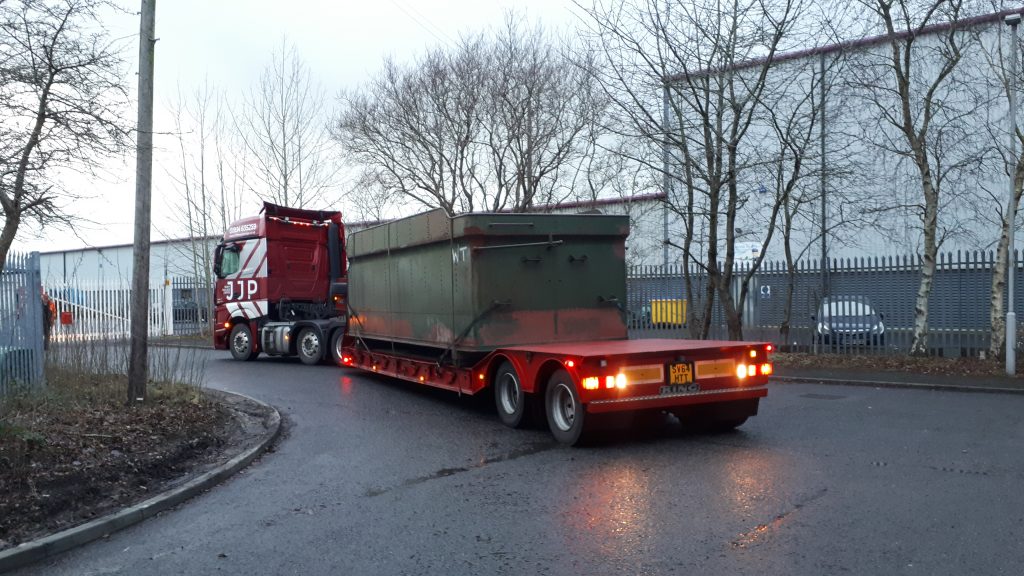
[[573, 380]]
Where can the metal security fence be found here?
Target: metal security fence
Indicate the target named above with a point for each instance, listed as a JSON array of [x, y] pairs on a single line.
[[22, 323], [92, 310], [865, 306], [100, 311], [192, 303]]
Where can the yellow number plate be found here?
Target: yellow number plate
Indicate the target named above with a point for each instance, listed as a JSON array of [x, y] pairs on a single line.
[[680, 373]]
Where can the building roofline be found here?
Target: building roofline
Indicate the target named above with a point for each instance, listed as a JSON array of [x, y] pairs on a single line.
[[128, 245], [853, 44]]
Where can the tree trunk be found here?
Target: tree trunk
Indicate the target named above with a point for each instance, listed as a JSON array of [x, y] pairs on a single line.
[[997, 310], [919, 347], [11, 223], [997, 313], [787, 306]]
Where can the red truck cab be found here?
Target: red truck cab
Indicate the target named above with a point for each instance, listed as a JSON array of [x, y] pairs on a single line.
[[281, 286]]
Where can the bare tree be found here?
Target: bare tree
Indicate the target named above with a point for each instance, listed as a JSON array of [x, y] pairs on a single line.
[[416, 127], [284, 128], [206, 178], [910, 83], [543, 108], [502, 121], [709, 62], [994, 214], [795, 124], [62, 97]]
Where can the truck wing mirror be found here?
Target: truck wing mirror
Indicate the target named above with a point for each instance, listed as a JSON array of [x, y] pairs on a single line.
[[217, 253]]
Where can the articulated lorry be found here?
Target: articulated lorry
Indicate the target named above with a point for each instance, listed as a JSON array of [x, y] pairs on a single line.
[[525, 307]]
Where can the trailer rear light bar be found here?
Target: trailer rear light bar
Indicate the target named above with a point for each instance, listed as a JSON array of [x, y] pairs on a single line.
[[744, 371]]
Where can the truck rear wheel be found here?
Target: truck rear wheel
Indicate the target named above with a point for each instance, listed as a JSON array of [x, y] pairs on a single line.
[[564, 410], [242, 345], [309, 346], [337, 343], [509, 397]]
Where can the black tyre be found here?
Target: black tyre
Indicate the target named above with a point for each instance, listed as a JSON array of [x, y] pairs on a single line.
[[509, 398], [565, 412], [337, 342], [241, 343], [309, 346]]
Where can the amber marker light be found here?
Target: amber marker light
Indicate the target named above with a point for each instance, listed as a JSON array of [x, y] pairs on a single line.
[[741, 371], [591, 383], [753, 353], [766, 369], [620, 381]]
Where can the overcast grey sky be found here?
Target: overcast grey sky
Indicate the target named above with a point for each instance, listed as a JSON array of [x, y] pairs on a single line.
[[230, 42]]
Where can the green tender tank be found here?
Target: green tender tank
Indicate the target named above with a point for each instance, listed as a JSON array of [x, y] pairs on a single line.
[[477, 282]]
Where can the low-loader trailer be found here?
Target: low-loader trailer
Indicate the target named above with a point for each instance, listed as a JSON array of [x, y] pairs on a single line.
[[525, 307]]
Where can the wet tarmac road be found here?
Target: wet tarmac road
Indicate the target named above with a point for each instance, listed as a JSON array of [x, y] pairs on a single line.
[[380, 477]]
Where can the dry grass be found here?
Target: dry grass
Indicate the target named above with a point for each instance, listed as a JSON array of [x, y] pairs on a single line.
[[894, 363], [76, 448]]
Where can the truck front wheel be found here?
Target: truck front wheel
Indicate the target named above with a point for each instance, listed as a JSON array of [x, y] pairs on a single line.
[[242, 346], [309, 346], [564, 410], [508, 396]]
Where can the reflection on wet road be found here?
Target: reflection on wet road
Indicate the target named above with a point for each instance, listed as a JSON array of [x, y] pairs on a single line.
[[381, 477]]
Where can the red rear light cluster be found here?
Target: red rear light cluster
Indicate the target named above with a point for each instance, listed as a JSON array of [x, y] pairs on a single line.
[[594, 382], [346, 360], [748, 370]]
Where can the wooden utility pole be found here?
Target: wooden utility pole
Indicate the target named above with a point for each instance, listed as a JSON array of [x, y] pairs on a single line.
[[138, 363]]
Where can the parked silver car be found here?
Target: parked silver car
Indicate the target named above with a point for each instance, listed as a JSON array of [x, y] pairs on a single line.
[[849, 321]]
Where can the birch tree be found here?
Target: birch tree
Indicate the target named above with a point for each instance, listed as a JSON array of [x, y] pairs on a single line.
[[996, 212], [909, 83]]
